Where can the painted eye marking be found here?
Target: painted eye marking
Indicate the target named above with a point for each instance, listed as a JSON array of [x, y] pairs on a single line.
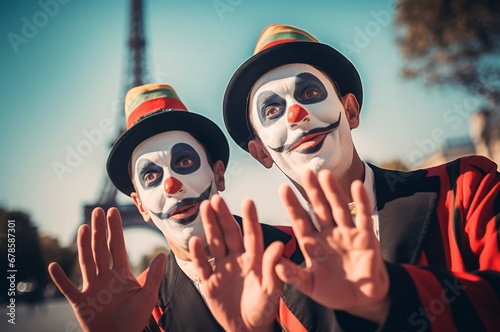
[[150, 177], [185, 159], [185, 163], [270, 107], [272, 110], [149, 173], [309, 94], [309, 89]]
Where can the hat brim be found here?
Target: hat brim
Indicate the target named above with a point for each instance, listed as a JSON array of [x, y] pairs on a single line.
[[203, 129], [321, 56]]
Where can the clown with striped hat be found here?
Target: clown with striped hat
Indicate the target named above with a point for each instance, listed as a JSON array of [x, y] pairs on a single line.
[[152, 109], [301, 98], [293, 103], [168, 161]]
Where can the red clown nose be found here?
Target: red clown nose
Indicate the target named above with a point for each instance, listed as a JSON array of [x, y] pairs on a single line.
[[296, 113], [172, 185]]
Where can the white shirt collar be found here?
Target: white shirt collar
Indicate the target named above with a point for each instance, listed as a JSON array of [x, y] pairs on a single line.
[[369, 184]]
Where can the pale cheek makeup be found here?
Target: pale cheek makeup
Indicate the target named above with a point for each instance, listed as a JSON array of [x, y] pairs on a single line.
[[301, 121], [173, 177]]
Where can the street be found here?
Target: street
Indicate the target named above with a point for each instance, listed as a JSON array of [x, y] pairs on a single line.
[[50, 316]]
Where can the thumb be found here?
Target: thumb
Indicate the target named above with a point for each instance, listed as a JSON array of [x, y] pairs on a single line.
[[270, 258], [155, 274], [294, 275]]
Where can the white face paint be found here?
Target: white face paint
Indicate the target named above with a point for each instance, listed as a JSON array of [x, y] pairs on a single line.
[[172, 177], [301, 121]]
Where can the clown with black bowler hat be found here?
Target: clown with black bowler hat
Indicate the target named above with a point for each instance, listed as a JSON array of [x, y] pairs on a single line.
[[168, 161], [294, 104], [171, 163]]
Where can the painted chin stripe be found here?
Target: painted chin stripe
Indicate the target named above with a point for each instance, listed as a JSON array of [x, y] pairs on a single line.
[[183, 203], [328, 128]]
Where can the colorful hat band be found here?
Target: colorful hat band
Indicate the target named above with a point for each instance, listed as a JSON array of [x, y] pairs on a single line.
[[152, 109], [154, 105], [151, 101], [278, 34]]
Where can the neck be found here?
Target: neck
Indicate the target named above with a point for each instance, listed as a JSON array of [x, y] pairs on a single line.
[[356, 172], [182, 253]]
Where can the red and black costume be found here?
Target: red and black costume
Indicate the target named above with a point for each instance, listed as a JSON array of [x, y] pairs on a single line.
[[439, 233]]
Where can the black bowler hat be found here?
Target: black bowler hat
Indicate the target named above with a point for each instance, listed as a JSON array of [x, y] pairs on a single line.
[[152, 109], [279, 45]]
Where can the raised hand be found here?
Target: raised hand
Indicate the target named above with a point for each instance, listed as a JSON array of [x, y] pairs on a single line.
[[111, 299], [242, 290], [344, 267]]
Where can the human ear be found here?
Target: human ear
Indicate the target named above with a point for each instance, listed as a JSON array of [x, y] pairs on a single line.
[[259, 152], [219, 169], [352, 109], [140, 206]]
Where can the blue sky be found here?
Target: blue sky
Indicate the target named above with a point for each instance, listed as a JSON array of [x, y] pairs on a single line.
[[62, 83]]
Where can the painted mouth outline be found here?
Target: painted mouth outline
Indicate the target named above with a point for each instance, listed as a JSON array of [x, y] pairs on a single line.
[[184, 205], [182, 209], [307, 136]]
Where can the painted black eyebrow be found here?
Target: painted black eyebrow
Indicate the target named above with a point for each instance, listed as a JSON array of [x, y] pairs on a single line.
[[145, 164], [265, 98], [184, 149], [306, 79], [180, 148]]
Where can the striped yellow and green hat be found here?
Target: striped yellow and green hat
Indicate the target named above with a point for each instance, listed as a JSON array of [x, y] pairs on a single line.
[[152, 109], [279, 45]]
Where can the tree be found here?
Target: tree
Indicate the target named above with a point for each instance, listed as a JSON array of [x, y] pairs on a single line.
[[452, 42]]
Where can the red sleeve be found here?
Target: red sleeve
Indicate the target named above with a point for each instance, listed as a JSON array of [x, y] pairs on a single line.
[[456, 297], [157, 311]]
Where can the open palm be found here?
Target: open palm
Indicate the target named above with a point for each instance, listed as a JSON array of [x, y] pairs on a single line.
[[344, 268], [111, 298], [242, 290]]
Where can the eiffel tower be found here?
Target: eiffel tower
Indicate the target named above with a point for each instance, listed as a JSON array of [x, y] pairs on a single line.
[[135, 75]]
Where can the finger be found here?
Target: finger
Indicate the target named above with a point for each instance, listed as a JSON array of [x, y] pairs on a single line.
[[154, 277], [294, 275], [116, 241], [336, 199], [301, 222], [100, 249], [199, 258], [363, 206], [230, 229], [317, 199], [85, 257], [252, 239], [212, 230], [272, 255], [63, 283]]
